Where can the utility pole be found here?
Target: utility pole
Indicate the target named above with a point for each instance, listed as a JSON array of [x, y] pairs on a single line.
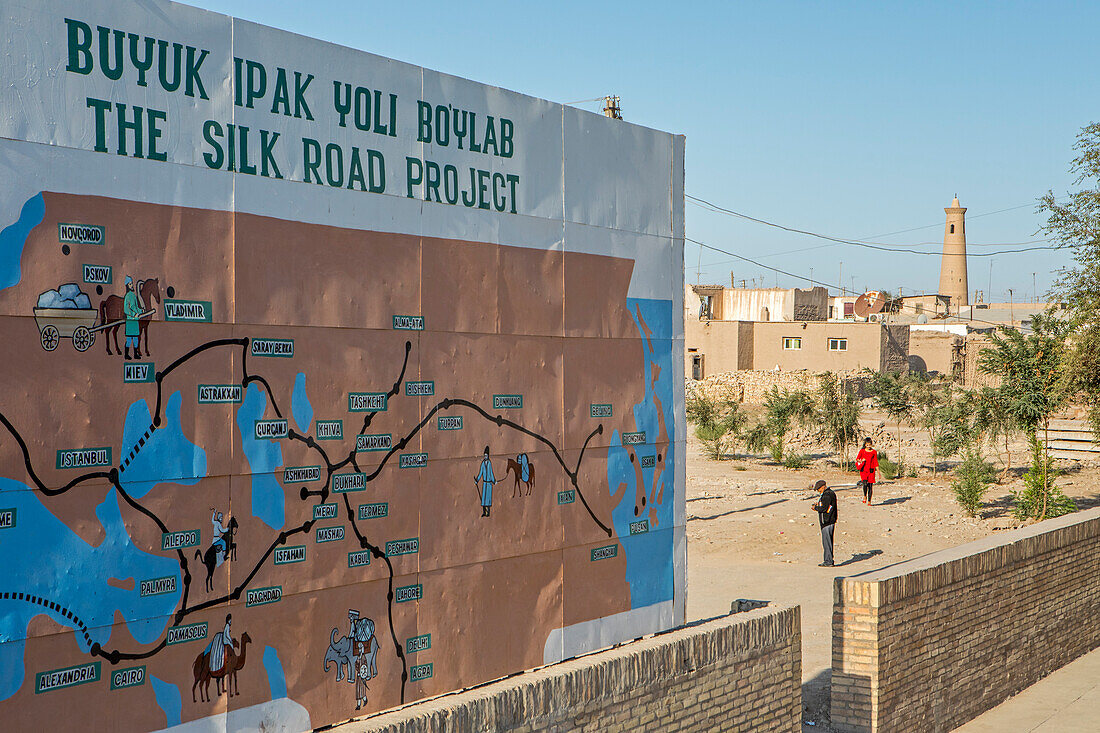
[[840, 279], [611, 108], [1011, 316], [811, 277], [1034, 289]]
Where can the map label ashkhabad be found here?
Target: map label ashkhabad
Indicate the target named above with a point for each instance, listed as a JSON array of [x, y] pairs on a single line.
[[301, 474]]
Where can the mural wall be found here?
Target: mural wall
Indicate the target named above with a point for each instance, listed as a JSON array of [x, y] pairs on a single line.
[[330, 383]]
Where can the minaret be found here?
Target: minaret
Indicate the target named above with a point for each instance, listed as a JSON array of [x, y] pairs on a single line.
[[953, 265]]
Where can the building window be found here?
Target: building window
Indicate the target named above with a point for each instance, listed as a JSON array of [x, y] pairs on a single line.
[[849, 310], [838, 344], [791, 344], [952, 228], [697, 366]]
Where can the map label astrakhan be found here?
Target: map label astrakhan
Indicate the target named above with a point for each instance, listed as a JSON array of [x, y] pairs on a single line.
[[213, 394], [374, 511], [634, 438], [129, 677], [359, 558], [272, 347], [567, 497], [185, 633], [301, 474], [330, 430], [342, 483], [416, 644], [97, 274], [407, 593], [180, 540], [81, 234], [263, 596], [7, 518], [367, 402], [410, 546], [413, 460], [57, 679], [272, 429], [420, 672], [449, 422], [408, 323], [196, 311], [604, 553], [324, 511], [639, 527], [507, 401], [368, 443], [330, 534], [138, 371], [83, 458], [288, 555], [419, 389], [158, 586], [599, 410]]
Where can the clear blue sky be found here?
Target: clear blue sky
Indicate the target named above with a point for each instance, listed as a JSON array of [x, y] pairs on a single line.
[[849, 119]]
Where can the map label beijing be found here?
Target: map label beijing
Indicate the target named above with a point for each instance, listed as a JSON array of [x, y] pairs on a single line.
[[195, 311], [272, 347], [180, 540], [368, 443], [345, 482], [367, 402], [83, 458], [58, 679], [186, 633], [604, 553], [330, 534], [408, 323], [419, 389], [97, 274], [289, 555], [449, 422], [507, 401], [129, 677], [330, 430], [374, 511], [212, 394], [263, 596], [301, 474], [272, 429], [599, 410], [408, 593]]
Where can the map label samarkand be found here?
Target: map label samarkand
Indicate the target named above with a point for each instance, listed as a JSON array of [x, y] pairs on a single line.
[[330, 430], [273, 429], [301, 474], [212, 394], [367, 401], [345, 482], [367, 443], [180, 540], [57, 679], [196, 311], [263, 596], [83, 458], [186, 633], [272, 347], [374, 511]]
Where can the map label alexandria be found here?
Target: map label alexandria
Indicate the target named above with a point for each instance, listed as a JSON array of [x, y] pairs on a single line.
[[330, 534], [419, 389], [57, 679], [368, 443], [359, 558], [374, 511], [634, 438], [413, 460], [263, 596], [272, 347], [416, 644], [83, 458], [449, 422], [330, 430], [272, 429], [407, 593], [410, 546], [81, 234], [158, 586], [367, 402], [301, 474], [342, 483], [195, 311], [599, 410], [288, 555], [129, 677], [507, 401], [186, 633], [97, 274], [324, 511], [180, 540], [138, 371], [212, 394], [408, 323], [604, 553]]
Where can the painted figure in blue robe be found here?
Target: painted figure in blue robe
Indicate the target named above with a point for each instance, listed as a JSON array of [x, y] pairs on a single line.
[[485, 479]]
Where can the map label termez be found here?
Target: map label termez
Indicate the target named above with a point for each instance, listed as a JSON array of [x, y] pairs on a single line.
[[374, 511], [212, 394], [180, 540], [83, 458], [272, 347]]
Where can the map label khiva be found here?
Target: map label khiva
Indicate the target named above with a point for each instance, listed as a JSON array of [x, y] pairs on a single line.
[[186, 633], [81, 234], [263, 596], [97, 274], [273, 347], [195, 311], [288, 555], [58, 679], [83, 458], [330, 430], [272, 429], [212, 394], [301, 474], [139, 371], [345, 482], [180, 540], [367, 401], [374, 511], [368, 443], [507, 401]]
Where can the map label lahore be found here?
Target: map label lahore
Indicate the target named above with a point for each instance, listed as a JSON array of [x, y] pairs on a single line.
[[83, 458], [407, 593]]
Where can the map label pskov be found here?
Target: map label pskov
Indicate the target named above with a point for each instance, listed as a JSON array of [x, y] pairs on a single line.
[[212, 394], [83, 458], [195, 311], [270, 429], [97, 274], [186, 633], [330, 430], [408, 323], [272, 347], [81, 234], [57, 679], [180, 540], [263, 596], [367, 402], [368, 443]]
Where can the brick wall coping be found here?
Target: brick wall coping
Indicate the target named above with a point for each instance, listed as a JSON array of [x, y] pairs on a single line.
[[602, 674], [938, 569]]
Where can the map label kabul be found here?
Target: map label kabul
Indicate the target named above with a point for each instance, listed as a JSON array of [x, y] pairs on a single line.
[[408, 323], [270, 429], [449, 422], [180, 540], [186, 633], [272, 347], [288, 555], [97, 274], [374, 511], [83, 458], [419, 389], [195, 311], [213, 394], [57, 679], [138, 371], [81, 234], [368, 443], [129, 677], [359, 558], [342, 483], [301, 474], [330, 430], [367, 402], [263, 596], [507, 401]]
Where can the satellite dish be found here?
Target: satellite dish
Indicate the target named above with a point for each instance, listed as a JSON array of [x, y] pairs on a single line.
[[922, 319], [870, 302]]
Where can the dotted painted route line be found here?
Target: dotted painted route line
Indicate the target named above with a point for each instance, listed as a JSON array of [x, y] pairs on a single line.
[[47, 603], [137, 448]]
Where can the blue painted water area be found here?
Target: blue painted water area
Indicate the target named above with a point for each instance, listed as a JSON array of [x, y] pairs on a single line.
[[276, 678], [169, 699], [264, 457], [14, 237], [300, 405], [649, 566], [166, 456], [41, 556]]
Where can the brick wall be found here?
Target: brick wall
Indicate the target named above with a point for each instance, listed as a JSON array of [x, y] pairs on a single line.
[[931, 643], [735, 673]]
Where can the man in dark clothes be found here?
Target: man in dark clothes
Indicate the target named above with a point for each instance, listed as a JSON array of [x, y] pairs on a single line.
[[826, 513]]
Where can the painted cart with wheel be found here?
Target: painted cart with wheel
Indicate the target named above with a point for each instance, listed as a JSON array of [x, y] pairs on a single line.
[[77, 324]]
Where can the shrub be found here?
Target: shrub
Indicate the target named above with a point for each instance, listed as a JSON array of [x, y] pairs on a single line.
[[1037, 500], [888, 468], [796, 461], [972, 479]]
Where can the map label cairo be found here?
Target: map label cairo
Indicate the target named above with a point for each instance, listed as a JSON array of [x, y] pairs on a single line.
[[410, 546], [359, 558], [7, 518], [408, 323], [272, 347], [58, 679], [649, 461], [180, 540], [567, 497], [634, 438], [366, 401], [195, 311], [408, 593], [186, 633], [367, 443], [420, 672], [83, 458], [212, 394], [263, 596], [330, 430], [639, 527], [604, 553], [416, 644], [158, 586], [138, 371], [414, 460], [324, 511], [129, 677], [374, 511], [599, 410], [288, 555], [507, 401], [449, 422], [273, 429], [419, 389], [330, 534], [345, 482], [97, 274], [81, 234], [301, 474]]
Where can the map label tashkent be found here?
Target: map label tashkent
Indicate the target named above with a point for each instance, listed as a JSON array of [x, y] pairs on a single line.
[[273, 429], [196, 311], [212, 394], [67, 677], [83, 458], [180, 540], [367, 401], [272, 347]]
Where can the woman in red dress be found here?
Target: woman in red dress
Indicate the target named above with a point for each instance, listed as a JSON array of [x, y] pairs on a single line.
[[867, 464]]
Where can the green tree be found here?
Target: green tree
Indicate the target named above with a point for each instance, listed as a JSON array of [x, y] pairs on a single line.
[[972, 479], [836, 413], [716, 420], [781, 410], [1075, 224], [1033, 385], [1040, 498], [929, 400], [994, 423], [891, 394], [956, 432]]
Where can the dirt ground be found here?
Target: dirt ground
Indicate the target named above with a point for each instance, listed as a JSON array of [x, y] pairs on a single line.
[[753, 535]]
